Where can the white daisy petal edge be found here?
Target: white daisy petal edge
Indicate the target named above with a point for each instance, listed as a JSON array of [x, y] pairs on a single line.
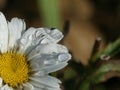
[[4, 87], [3, 33], [15, 27], [39, 47]]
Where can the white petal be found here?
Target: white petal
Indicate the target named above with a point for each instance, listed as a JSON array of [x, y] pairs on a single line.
[[38, 72], [28, 86], [26, 40], [50, 57], [47, 49], [6, 87], [46, 82], [16, 27], [53, 68], [51, 36], [48, 63], [1, 82], [50, 48], [49, 88], [32, 37], [36, 88], [56, 35], [36, 64], [45, 69], [3, 33], [18, 24]]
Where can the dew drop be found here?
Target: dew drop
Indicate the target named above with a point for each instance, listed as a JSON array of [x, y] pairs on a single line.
[[64, 57], [48, 63]]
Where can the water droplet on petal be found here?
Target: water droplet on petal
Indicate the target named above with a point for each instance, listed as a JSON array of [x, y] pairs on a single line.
[[30, 37], [56, 34], [64, 57], [23, 41], [49, 62], [44, 41], [37, 33]]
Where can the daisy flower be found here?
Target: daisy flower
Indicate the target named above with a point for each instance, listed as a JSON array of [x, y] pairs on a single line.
[[28, 56]]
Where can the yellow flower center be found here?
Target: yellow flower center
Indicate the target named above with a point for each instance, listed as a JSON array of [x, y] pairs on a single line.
[[14, 69]]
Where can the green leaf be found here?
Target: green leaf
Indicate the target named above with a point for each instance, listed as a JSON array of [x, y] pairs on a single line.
[[106, 70], [111, 50]]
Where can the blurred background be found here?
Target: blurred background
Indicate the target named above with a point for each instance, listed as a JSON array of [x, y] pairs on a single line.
[[82, 21]]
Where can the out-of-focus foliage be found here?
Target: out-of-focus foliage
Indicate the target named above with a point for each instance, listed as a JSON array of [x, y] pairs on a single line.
[[98, 71]]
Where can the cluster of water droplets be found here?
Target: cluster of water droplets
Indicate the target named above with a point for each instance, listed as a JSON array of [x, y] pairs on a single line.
[[33, 37]]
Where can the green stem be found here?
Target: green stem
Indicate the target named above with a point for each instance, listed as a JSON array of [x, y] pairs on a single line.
[[50, 13]]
